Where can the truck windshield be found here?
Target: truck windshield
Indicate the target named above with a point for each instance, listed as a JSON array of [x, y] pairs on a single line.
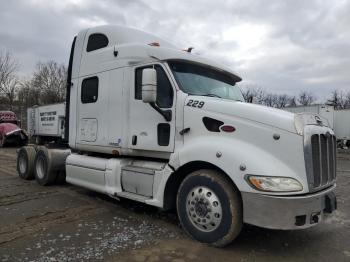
[[203, 81]]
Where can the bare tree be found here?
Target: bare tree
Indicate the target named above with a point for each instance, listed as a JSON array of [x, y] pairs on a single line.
[[292, 101], [28, 95], [8, 66], [259, 94], [282, 101], [270, 100], [253, 91], [306, 98], [8, 79], [338, 99], [9, 90], [246, 92], [347, 100], [50, 79]]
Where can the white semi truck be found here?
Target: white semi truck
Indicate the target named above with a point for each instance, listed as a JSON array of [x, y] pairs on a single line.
[[149, 122]]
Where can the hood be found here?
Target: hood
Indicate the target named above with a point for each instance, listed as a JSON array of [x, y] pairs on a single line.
[[265, 115], [7, 129]]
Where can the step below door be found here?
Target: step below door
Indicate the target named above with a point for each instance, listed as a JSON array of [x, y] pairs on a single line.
[[138, 180]]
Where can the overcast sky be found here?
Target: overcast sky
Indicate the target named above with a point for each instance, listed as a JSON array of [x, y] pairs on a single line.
[[282, 46]]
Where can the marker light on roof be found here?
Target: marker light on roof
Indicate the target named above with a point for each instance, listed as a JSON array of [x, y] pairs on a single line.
[[189, 50], [154, 44]]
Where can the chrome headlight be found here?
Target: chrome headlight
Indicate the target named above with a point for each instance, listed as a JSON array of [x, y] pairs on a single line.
[[274, 184]]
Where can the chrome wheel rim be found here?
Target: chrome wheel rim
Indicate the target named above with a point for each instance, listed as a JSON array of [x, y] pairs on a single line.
[[22, 164], [40, 167], [204, 209]]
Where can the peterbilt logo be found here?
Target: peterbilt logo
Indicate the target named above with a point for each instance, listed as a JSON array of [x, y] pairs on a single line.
[[318, 120]]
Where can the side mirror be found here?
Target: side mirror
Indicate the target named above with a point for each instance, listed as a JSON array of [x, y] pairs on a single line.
[[149, 85]]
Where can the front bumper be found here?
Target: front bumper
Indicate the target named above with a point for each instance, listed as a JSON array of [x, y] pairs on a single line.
[[287, 212]]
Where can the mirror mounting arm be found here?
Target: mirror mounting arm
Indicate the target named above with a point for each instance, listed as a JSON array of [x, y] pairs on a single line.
[[167, 114]]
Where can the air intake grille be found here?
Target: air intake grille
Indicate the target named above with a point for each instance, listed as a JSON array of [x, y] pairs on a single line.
[[323, 151]]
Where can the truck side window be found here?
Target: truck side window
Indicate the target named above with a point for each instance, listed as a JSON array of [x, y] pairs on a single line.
[[165, 93], [89, 90], [96, 41]]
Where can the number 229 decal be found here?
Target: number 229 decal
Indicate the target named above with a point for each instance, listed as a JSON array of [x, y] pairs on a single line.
[[195, 103]]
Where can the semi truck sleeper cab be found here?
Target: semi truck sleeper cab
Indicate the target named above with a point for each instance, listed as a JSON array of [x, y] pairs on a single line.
[[149, 122]]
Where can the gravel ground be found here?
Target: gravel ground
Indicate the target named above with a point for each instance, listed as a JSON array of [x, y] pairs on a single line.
[[67, 223]]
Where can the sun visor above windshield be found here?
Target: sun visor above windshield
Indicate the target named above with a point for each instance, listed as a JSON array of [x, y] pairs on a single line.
[[174, 54]]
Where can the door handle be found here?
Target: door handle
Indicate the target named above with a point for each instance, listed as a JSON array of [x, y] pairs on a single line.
[[134, 140]]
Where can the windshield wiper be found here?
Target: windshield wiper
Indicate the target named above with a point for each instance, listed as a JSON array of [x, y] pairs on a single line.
[[212, 95]]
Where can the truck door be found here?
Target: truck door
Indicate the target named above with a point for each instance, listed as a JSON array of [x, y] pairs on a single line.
[[148, 128], [92, 106]]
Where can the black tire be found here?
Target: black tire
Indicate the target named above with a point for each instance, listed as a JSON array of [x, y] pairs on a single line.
[[25, 162], [43, 169], [228, 223]]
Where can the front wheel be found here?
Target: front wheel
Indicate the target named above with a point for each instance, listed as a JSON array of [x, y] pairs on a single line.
[[209, 208]]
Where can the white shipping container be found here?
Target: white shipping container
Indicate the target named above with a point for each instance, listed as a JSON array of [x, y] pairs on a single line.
[[342, 124], [46, 120]]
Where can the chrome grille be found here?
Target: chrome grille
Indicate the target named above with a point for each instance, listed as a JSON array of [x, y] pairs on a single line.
[[320, 159]]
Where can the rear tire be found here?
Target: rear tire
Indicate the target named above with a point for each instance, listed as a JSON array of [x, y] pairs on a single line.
[[43, 169], [25, 162], [209, 208]]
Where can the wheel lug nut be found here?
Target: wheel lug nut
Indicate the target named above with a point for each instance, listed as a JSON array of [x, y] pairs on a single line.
[[208, 216]]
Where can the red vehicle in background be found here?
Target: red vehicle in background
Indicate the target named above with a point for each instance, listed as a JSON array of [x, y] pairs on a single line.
[[10, 132]]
